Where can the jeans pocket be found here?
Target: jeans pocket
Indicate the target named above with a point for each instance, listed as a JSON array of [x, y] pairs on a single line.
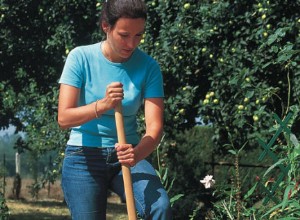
[[73, 151], [112, 159]]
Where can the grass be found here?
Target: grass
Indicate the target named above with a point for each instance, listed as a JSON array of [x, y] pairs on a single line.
[[50, 205]]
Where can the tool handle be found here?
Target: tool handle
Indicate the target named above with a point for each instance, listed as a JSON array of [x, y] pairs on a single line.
[[131, 211]]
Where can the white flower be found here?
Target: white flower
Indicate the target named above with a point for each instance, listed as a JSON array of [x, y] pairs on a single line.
[[208, 181]]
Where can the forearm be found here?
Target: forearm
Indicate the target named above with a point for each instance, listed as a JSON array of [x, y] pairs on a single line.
[[148, 144], [71, 117]]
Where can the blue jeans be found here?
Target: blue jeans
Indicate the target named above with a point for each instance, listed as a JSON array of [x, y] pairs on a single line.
[[88, 174]]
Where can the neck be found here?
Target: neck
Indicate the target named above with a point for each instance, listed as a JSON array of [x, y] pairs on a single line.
[[108, 53]]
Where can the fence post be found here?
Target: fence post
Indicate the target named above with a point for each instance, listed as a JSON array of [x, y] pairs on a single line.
[[4, 173]]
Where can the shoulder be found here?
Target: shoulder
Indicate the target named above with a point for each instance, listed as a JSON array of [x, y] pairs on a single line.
[[85, 50], [144, 57]]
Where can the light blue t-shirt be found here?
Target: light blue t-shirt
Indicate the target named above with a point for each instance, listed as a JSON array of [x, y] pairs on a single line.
[[87, 69]]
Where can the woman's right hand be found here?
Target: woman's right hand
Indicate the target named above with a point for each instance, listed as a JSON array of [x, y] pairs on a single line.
[[113, 95], [70, 114]]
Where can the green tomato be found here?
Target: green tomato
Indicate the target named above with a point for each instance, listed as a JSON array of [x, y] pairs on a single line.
[[187, 6], [255, 118], [265, 34], [264, 98], [240, 107]]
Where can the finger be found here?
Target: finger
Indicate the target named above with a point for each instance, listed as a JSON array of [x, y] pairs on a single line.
[[122, 147], [115, 93], [115, 85], [130, 161], [111, 90]]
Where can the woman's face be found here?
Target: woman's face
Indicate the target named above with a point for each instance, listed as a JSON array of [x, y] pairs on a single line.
[[123, 38]]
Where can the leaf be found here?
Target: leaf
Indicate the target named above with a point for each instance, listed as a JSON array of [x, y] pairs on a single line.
[[294, 140], [272, 39], [250, 94], [289, 218], [284, 57], [273, 209], [232, 152], [280, 32], [286, 196], [273, 166], [233, 81], [250, 192], [274, 49], [175, 198]]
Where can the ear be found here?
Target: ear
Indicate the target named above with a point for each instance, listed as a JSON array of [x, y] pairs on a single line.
[[105, 26]]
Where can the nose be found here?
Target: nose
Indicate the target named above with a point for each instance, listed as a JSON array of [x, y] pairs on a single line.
[[132, 43]]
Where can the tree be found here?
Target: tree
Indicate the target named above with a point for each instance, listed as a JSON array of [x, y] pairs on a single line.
[[228, 63]]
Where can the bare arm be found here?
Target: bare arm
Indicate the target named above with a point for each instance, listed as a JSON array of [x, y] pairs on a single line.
[[70, 114], [154, 108]]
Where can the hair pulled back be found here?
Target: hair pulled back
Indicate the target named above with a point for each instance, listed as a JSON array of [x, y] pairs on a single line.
[[112, 10]]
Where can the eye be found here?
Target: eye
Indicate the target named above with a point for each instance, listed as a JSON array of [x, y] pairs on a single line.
[[124, 35]]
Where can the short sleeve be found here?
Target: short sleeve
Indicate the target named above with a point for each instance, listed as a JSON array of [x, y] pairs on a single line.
[[154, 82], [72, 71]]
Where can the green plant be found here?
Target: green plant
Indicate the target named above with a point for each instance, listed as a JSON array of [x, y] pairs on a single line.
[[4, 211], [288, 190], [163, 174], [231, 205], [225, 63]]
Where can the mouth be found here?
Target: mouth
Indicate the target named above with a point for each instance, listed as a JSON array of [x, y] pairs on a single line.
[[128, 52]]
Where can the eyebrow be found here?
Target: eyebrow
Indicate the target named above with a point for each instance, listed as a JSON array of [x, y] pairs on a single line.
[[126, 32]]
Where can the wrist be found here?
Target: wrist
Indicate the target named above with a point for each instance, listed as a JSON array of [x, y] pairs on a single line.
[[136, 155], [97, 115], [100, 107]]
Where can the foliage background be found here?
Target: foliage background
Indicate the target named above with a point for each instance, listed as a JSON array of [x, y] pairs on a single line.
[[227, 64]]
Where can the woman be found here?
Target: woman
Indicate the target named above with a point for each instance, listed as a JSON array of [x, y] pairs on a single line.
[[94, 80]]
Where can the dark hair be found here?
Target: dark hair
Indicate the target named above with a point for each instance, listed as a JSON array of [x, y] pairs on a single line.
[[112, 10]]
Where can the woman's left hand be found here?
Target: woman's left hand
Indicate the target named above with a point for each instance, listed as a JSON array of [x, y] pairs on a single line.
[[126, 154]]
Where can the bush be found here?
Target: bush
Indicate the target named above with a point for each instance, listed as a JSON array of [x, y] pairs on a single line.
[[186, 158]]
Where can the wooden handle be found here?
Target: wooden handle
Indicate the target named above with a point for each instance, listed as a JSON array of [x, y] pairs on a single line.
[[125, 169]]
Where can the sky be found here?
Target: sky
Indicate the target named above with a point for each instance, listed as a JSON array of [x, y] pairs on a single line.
[[9, 131]]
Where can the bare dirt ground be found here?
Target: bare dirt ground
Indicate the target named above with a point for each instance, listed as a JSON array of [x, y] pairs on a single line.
[[51, 205]]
